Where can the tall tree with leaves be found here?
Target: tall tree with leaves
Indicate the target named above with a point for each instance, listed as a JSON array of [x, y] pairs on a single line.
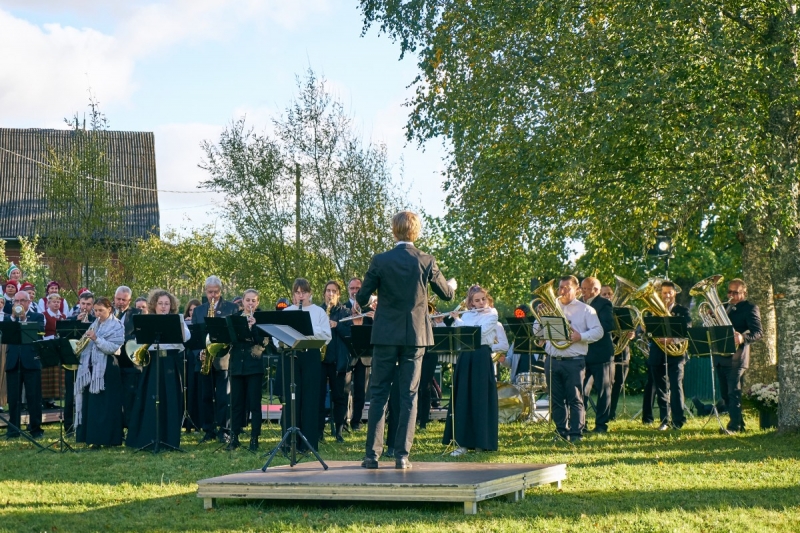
[[347, 192], [81, 218], [619, 120]]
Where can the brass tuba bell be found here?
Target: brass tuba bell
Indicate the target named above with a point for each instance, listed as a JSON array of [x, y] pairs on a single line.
[[655, 306], [622, 293], [544, 304]]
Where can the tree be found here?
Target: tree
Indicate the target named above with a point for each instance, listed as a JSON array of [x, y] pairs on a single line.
[[315, 166], [620, 120], [81, 218]]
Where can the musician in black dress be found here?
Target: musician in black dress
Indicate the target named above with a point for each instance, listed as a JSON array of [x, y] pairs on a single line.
[[475, 414], [336, 371], [246, 370], [142, 429], [214, 386], [24, 368], [307, 369], [98, 383], [85, 314], [669, 391], [746, 320]]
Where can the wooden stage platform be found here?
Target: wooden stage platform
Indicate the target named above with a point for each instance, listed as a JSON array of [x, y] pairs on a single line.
[[467, 483]]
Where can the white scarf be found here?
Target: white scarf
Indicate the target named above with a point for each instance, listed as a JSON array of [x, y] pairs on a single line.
[[96, 378]]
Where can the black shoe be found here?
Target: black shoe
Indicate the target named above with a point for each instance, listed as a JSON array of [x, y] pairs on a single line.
[[369, 464], [402, 463], [12, 435], [575, 438], [223, 438], [355, 426], [699, 407], [389, 453], [208, 437], [94, 447], [663, 427], [233, 444], [37, 434], [338, 435], [253, 444], [600, 430]]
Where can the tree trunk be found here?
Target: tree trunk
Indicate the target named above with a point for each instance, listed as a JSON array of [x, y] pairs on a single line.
[[786, 284], [756, 270]]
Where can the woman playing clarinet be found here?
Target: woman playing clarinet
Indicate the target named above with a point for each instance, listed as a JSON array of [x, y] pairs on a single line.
[[98, 383], [474, 384]]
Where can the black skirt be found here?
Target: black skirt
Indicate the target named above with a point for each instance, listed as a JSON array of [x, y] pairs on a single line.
[[101, 416], [475, 400], [307, 378], [142, 429]]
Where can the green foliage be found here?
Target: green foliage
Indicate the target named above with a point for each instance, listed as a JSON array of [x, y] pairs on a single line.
[[31, 262], [633, 479], [81, 217], [347, 192]]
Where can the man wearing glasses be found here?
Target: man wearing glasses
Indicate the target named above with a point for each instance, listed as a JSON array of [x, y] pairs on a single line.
[[746, 319], [23, 367]]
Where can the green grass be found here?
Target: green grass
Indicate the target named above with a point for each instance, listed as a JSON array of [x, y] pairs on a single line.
[[633, 479]]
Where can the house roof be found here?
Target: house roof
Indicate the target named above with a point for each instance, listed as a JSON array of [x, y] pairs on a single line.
[[131, 182]]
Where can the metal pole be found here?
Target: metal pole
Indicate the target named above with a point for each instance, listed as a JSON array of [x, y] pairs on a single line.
[[297, 219]]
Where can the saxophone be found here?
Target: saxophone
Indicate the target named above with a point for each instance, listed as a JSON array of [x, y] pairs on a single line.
[[324, 348], [213, 349]]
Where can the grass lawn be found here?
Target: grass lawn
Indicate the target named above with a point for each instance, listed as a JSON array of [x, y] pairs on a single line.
[[632, 479]]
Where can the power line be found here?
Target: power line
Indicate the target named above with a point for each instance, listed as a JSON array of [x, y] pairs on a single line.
[[133, 187]]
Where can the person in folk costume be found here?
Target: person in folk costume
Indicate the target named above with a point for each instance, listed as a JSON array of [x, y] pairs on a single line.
[[30, 288], [98, 383], [52, 377], [53, 288], [474, 385]]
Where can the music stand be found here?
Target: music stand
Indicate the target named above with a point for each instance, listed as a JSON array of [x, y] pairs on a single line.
[[196, 342], [709, 341], [666, 327], [552, 329], [71, 329], [293, 341], [218, 332], [360, 346], [156, 330], [522, 331], [451, 341], [14, 333], [54, 352]]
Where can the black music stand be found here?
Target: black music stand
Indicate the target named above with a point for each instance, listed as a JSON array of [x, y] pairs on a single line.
[[291, 341], [71, 329], [452, 341], [553, 329], [197, 341], [669, 327], [14, 333], [54, 352], [708, 341], [238, 331], [156, 330], [219, 332], [360, 346]]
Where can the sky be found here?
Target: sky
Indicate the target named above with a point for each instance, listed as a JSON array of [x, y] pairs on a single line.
[[184, 69]]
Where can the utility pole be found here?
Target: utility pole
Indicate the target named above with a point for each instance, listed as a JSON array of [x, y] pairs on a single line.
[[298, 251]]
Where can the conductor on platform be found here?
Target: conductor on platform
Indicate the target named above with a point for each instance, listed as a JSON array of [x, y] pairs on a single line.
[[400, 332]]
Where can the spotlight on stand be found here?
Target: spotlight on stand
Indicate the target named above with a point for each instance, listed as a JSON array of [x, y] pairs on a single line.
[[662, 248]]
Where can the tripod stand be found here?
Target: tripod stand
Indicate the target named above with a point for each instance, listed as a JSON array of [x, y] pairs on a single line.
[[666, 327], [53, 352], [13, 334], [552, 330], [711, 341], [291, 340]]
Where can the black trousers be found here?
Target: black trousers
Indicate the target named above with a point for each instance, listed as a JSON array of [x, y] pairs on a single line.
[[730, 388], [130, 387], [648, 397], [565, 382], [620, 375], [359, 392], [601, 376], [673, 373], [32, 380], [409, 361], [246, 399], [192, 384], [69, 399], [307, 371], [429, 363], [338, 383], [215, 395]]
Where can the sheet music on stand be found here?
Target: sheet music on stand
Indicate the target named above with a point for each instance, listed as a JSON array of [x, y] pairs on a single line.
[[665, 327], [714, 340], [522, 332], [625, 318], [359, 344], [449, 342], [553, 329]]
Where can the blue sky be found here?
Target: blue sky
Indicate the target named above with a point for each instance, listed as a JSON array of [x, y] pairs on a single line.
[[184, 69]]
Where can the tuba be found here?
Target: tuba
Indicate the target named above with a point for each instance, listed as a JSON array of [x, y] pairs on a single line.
[[213, 349], [655, 306], [622, 293], [546, 300], [712, 311]]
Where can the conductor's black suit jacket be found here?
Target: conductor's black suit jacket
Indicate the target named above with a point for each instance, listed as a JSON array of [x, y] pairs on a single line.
[[24, 353], [602, 351], [401, 277]]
